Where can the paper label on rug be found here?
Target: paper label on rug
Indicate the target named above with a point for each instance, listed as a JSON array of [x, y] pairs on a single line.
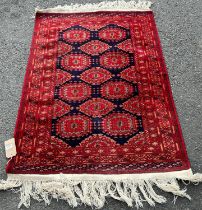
[[10, 148]]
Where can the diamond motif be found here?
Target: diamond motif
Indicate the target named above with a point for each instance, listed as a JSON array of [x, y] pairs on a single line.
[[63, 48], [130, 74], [126, 46], [62, 76], [96, 76], [60, 108], [132, 105], [96, 107], [94, 47]]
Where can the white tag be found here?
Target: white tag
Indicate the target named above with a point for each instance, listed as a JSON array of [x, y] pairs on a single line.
[[10, 148]]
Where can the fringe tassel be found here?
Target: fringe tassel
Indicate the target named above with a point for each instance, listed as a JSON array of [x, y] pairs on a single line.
[[119, 5], [5, 185], [94, 192]]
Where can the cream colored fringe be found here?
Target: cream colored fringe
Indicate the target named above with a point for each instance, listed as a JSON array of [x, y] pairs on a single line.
[[120, 5], [92, 190]]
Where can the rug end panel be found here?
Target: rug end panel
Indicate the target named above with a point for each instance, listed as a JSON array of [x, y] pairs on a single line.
[[120, 5], [92, 190]]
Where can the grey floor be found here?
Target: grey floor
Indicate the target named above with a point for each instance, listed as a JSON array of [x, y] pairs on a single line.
[[179, 25]]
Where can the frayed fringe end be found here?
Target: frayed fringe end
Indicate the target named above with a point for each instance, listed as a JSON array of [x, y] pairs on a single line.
[[94, 192], [120, 5], [6, 185]]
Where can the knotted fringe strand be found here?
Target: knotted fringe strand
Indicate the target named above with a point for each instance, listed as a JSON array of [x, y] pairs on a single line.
[[10, 184], [119, 5], [94, 192]]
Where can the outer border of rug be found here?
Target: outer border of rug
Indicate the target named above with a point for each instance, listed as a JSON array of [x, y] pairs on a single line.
[[20, 117]]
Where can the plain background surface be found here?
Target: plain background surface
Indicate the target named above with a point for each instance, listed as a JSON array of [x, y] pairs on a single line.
[[179, 26]]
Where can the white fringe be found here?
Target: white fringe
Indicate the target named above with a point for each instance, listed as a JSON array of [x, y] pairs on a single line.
[[92, 190], [119, 5]]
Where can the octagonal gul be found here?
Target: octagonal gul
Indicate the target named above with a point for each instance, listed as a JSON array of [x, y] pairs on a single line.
[[74, 92], [75, 34], [75, 62], [116, 59], [73, 126], [117, 90], [120, 124], [112, 33]]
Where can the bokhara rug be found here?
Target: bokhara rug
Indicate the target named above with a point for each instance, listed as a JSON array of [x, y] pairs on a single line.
[[97, 117]]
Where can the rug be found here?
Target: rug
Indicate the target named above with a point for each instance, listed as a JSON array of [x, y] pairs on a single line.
[[97, 117]]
